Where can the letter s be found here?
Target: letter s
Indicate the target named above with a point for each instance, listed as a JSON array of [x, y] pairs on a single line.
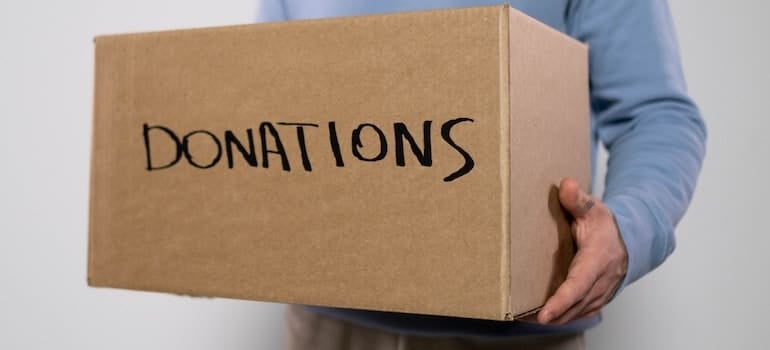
[[445, 134]]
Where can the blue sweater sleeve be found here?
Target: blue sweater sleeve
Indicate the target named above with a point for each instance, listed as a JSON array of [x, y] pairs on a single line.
[[641, 112], [271, 11]]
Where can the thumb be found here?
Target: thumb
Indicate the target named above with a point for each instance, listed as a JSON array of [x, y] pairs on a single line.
[[572, 198]]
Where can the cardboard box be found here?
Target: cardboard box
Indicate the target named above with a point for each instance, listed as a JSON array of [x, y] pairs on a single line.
[[402, 162]]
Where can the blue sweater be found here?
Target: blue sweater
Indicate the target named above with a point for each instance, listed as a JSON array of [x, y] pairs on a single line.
[[640, 111]]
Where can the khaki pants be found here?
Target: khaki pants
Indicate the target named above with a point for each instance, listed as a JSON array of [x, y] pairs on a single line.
[[309, 330]]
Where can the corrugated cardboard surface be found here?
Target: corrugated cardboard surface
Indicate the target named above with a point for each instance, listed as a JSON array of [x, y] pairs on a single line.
[[549, 140], [369, 234]]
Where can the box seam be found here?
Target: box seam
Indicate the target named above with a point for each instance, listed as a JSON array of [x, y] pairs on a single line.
[[505, 155]]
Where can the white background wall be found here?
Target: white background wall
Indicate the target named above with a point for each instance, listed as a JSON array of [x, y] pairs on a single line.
[[711, 294]]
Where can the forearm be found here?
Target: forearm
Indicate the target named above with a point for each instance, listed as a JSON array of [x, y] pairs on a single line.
[[651, 176], [642, 113]]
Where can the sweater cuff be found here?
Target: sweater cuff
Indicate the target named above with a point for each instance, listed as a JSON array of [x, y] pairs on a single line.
[[637, 225]]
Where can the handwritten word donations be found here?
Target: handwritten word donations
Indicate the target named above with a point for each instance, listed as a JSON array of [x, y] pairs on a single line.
[[271, 142]]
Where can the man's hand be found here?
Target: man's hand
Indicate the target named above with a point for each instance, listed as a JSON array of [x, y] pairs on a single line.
[[599, 265]]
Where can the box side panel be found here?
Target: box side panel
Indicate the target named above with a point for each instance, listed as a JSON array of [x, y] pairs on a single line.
[[350, 223], [549, 137], [505, 169], [112, 87]]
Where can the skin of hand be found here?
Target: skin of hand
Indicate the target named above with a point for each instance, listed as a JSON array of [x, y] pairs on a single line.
[[599, 265]]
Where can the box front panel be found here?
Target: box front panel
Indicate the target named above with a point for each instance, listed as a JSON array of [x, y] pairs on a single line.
[[290, 162]]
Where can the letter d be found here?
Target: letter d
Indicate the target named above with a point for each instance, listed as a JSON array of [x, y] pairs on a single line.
[[177, 143]]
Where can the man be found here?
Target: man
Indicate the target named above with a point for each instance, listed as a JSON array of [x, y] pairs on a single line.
[[656, 142]]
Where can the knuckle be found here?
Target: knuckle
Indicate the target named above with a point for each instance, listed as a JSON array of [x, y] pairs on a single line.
[[571, 293]]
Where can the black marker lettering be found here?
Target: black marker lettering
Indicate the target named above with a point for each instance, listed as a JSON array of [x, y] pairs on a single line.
[[186, 149], [263, 129], [445, 134], [177, 146], [335, 143], [357, 143], [199, 154], [249, 155], [424, 157], [301, 140]]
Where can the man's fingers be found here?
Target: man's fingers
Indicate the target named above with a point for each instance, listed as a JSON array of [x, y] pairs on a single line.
[[594, 307], [569, 293], [572, 198], [575, 288], [591, 313], [598, 302], [595, 299]]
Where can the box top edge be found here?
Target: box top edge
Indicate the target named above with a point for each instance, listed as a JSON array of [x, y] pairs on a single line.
[[243, 26], [517, 16]]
